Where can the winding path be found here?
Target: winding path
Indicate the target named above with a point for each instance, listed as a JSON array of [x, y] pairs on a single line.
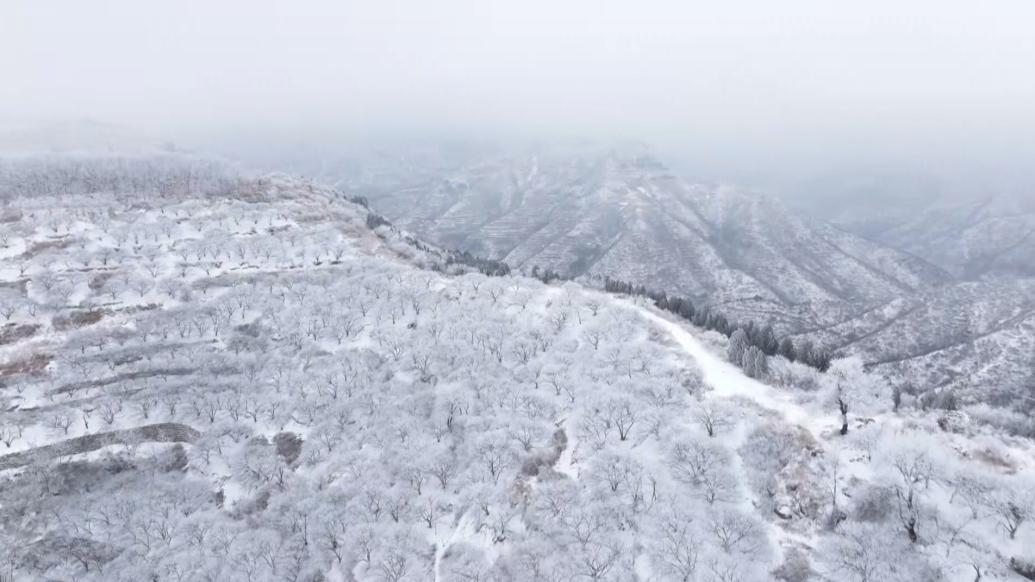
[[725, 379]]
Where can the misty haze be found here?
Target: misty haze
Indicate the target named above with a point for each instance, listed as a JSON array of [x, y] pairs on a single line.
[[463, 291]]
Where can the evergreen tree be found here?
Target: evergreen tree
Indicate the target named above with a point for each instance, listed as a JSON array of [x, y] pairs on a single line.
[[751, 334], [820, 360], [767, 341], [755, 363], [761, 365], [737, 347], [805, 352], [787, 349]]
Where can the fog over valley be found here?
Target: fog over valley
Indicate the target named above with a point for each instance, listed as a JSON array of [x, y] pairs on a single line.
[[767, 93]]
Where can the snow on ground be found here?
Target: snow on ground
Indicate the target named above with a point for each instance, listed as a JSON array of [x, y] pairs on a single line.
[[502, 355], [727, 380], [567, 463]]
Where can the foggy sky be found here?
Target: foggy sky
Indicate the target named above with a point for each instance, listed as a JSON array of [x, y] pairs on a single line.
[[766, 81]]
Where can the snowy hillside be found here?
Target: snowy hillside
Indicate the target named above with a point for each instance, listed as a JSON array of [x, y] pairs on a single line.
[[620, 213], [205, 376], [973, 338], [989, 237], [617, 212]]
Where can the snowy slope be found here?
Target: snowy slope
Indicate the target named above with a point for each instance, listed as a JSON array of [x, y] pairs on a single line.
[[975, 239], [620, 213], [341, 402], [617, 212]]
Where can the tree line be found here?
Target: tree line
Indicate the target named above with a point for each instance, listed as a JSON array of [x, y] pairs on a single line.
[[752, 335], [488, 267], [752, 340]]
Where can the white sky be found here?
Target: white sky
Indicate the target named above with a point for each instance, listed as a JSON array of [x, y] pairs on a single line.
[[905, 75]]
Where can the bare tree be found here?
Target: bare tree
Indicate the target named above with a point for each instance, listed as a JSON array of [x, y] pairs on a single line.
[[622, 414], [735, 531], [60, 421], [393, 566], [711, 418], [110, 410], [915, 474], [593, 337], [8, 434], [1013, 506], [678, 548]]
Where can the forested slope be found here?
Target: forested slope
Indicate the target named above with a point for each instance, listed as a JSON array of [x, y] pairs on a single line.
[[208, 376]]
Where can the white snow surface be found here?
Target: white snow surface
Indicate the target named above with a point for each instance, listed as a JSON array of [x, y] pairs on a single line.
[[727, 380], [427, 405]]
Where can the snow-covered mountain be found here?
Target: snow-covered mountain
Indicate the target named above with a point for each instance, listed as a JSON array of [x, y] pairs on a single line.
[[974, 340], [903, 297], [622, 214], [974, 336], [211, 376], [990, 237]]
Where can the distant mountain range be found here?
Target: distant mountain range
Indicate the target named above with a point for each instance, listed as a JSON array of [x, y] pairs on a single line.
[[976, 334], [940, 299], [991, 236], [624, 215]]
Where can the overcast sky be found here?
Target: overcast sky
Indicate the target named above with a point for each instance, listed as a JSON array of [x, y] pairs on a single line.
[[903, 79]]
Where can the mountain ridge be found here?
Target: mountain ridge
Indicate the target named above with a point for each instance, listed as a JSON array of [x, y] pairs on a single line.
[[629, 217]]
